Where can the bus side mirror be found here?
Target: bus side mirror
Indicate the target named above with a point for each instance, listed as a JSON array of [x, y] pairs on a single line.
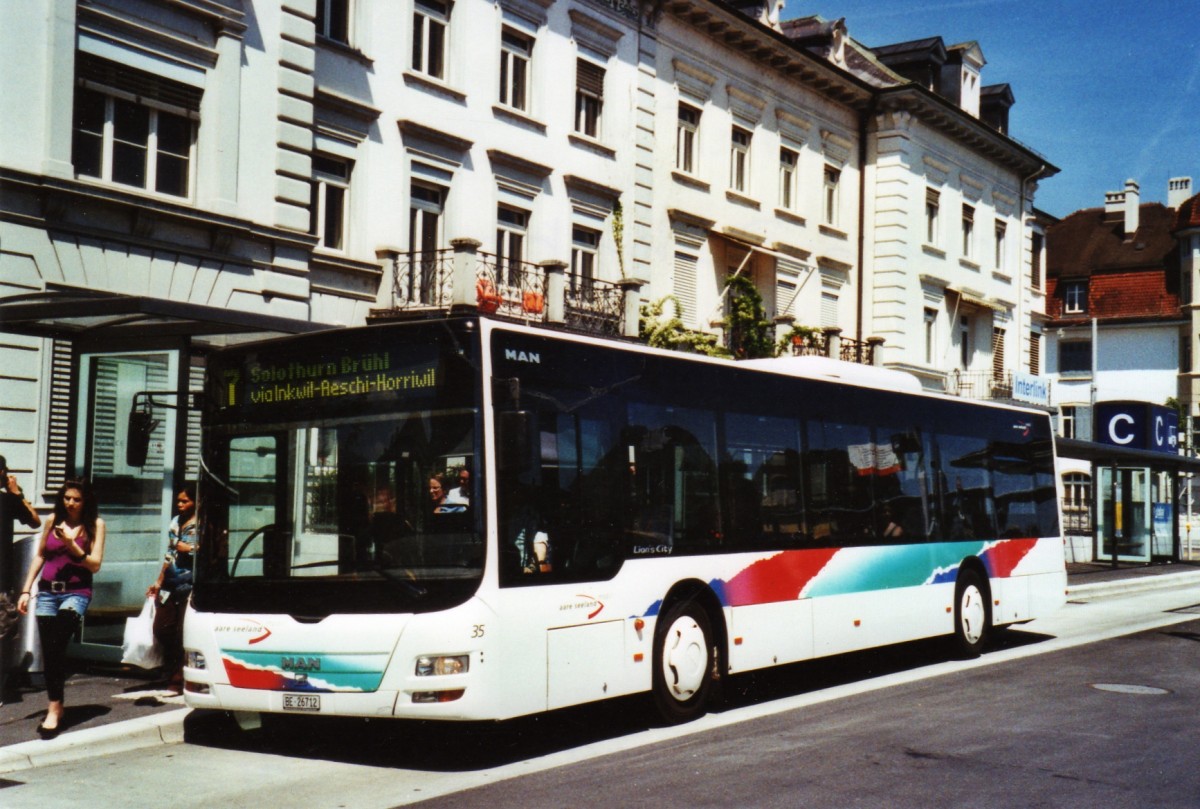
[[515, 431], [141, 426]]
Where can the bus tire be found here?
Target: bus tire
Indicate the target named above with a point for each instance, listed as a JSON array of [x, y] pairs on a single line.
[[684, 657], [972, 618]]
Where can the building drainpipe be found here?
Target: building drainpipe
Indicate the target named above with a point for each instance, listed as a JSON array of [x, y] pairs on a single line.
[[863, 123]]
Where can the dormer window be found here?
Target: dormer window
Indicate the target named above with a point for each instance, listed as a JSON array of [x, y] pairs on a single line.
[[1075, 297]]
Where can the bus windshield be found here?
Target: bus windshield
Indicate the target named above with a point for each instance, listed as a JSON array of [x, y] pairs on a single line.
[[350, 501]]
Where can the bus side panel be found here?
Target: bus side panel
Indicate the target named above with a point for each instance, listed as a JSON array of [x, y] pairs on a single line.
[[769, 634], [584, 663], [863, 620], [1010, 600]]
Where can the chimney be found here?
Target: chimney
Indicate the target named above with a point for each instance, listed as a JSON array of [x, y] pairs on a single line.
[[1133, 199], [1179, 191]]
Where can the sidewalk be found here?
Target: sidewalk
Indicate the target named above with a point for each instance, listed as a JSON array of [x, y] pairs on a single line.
[[110, 709]]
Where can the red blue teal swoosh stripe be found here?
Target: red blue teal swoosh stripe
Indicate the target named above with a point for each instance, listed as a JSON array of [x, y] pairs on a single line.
[[840, 571]]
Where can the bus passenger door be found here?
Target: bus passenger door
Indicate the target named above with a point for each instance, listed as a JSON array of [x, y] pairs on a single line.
[[314, 550]]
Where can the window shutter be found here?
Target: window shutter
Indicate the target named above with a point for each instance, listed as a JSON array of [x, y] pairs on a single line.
[[102, 74], [829, 308], [998, 354], [1035, 353], [191, 461], [589, 77], [58, 437], [684, 288]]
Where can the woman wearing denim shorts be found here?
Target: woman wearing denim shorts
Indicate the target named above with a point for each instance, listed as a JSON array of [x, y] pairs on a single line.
[[69, 552]]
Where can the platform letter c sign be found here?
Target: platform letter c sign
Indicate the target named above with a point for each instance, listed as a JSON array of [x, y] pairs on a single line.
[[1112, 428]]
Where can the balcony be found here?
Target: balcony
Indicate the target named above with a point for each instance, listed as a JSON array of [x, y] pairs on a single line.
[[511, 289], [979, 384], [830, 343]]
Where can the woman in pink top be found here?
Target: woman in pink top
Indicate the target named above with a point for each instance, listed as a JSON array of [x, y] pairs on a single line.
[[69, 551]]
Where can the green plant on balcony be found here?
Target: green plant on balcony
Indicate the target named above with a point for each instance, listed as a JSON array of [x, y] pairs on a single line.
[[751, 334], [795, 336], [662, 329]]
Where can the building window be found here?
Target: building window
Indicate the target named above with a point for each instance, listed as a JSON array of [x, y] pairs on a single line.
[[831, 198], [1075, 357], [516, 50], [333, 19], [1185, 353], [431, 19], [130, 143], [1035, 353], [330, 194], [1075, 297], [1077, 502], [686, 135], [426, 206], [932, 206], [739, 159], [589, 97], [1035, 261], [788, 162], [930, 335], [1001, 231], [585, 244], [964, 342], [968, 230], [1067, 421], [511, 226]]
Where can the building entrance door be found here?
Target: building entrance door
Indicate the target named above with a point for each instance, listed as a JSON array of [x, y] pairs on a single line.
[[135, 502]]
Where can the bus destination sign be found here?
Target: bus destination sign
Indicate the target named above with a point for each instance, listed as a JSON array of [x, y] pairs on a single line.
[[291, 381]]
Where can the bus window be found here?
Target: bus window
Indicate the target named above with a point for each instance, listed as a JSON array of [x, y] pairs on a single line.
[[839, 464], [672, 463], [902, 491], [560, 518], [970, 508], [760, 476]]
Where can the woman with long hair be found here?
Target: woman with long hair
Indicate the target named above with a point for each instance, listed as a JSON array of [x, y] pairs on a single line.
[[174, 584], [69, 553]]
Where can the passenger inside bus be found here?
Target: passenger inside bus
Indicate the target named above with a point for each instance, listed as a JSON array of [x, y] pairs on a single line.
[[388, 529]]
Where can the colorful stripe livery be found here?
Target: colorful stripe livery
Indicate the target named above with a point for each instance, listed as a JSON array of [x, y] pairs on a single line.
[[842, 571], [285, 671]]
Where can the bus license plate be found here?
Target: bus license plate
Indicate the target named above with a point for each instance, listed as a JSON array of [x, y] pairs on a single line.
[[301, 702]]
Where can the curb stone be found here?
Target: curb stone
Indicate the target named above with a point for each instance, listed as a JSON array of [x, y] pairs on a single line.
[[132, 734]]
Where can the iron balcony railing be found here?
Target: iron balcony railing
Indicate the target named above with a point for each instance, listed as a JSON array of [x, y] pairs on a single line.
[[979, 384], [594, 306], [422, 279], [830, 343], [509, 288]]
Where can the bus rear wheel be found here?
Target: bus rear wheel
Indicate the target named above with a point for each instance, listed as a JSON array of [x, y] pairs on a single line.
[[683, 663], [971, 614]]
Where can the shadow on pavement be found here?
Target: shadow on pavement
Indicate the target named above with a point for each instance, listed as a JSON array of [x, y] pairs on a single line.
[[461, 747]]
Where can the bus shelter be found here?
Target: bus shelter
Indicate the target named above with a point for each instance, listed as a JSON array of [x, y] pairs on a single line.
[[1136, 500]]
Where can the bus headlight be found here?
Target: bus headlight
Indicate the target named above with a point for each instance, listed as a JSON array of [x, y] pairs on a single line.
[[193, 659], [435, 665]]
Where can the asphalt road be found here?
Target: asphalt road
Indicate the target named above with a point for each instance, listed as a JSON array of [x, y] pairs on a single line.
[[1094, 707]]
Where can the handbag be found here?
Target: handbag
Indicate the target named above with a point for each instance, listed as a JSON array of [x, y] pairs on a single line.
[[139, 647]]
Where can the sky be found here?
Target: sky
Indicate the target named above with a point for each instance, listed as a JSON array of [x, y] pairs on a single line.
[[1105, 91]]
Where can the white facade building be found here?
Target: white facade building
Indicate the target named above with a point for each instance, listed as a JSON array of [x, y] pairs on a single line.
[[181, 174]]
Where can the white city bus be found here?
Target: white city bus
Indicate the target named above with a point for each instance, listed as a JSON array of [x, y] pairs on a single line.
[[619, 520]]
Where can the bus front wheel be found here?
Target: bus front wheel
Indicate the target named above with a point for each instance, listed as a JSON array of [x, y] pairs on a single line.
[[971, 614], [683, 662]]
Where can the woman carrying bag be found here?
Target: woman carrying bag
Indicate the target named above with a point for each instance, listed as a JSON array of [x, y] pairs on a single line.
[[69, 552], [175, 580]]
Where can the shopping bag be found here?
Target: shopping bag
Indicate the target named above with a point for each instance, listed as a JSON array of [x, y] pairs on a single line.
[[139, 647]]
